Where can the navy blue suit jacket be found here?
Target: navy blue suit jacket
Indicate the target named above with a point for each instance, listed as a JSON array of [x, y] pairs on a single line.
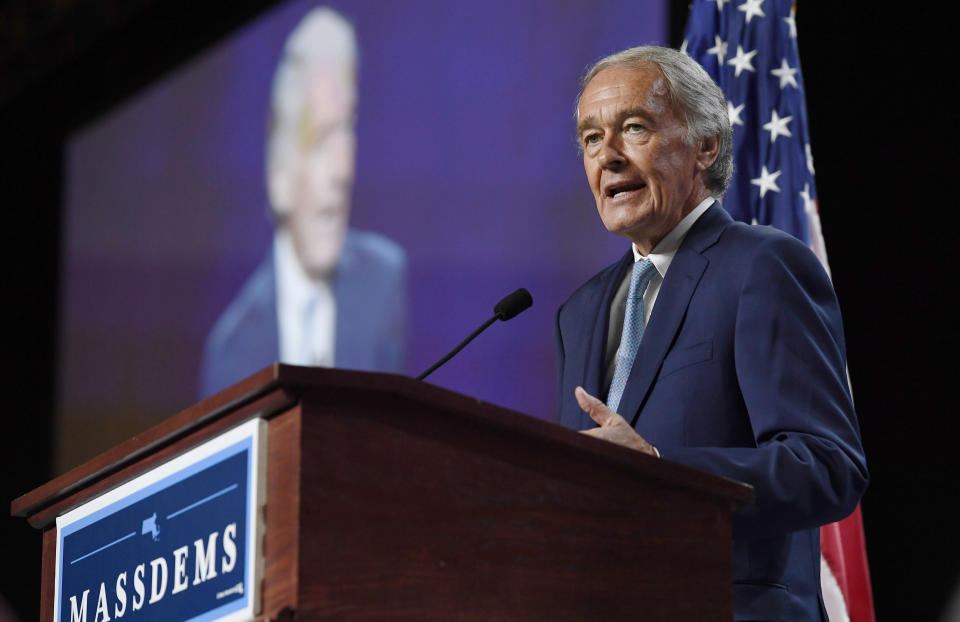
[[369, 288], [741, 372]]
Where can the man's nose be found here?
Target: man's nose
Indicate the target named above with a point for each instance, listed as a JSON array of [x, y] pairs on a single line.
[[611, 154]]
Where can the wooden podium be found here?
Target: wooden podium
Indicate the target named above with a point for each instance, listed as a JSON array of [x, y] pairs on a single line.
[[389, 498]]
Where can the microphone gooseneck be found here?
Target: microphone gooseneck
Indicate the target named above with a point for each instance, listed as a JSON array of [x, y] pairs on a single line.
[[509, 307]]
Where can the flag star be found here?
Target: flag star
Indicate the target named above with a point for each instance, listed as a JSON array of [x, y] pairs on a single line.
[[809, 203], [683, 48], [752, 8], [792, 23], [786, 74], [766, 181], [720, 4], [754, 221], [742, 61], [719, 49], [777, 126], [734, 113], [809, 153]]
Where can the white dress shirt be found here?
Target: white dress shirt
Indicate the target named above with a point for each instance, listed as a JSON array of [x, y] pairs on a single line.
[[306, 310]]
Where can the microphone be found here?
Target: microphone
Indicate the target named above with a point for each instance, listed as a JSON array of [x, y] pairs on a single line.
[[509, 307]]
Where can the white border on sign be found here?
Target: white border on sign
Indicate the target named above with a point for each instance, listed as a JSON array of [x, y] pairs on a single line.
[[255, 429]]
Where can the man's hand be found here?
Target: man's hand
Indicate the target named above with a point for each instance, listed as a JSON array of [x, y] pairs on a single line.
[[613, 427]]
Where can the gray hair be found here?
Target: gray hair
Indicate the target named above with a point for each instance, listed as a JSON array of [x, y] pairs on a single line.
[[693, 92]]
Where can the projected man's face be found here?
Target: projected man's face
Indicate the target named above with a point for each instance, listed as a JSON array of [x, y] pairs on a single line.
[[323, 180]]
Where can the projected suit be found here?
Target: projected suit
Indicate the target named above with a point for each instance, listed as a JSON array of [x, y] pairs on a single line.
[[369, 289]]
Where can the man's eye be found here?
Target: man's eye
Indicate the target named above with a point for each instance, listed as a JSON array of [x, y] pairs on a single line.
[[591, 139], [634, 127]]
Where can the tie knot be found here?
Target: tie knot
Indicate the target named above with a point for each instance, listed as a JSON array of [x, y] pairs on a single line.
[[643, 270]]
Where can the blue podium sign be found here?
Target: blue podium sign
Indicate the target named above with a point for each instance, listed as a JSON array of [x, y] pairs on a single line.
[[180, 542]]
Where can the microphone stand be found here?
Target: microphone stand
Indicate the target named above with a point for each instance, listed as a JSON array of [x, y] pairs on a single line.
[[463, 344]]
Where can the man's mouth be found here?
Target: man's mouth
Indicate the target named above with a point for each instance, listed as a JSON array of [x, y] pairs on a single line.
[[622, 189]]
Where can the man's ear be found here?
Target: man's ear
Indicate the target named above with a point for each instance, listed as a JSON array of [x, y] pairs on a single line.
[[708, 151]]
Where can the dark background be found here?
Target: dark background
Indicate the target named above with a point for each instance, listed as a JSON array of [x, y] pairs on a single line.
[[882, 136]]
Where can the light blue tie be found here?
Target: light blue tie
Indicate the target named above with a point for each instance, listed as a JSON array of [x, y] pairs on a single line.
[[633, 325]]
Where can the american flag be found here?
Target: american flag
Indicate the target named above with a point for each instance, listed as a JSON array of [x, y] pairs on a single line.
[[749, 47]]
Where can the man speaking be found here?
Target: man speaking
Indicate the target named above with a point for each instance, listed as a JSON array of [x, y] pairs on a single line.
[[711, 343]]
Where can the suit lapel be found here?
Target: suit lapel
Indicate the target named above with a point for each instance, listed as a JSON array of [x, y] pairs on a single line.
[[681, 282], [594, 371]]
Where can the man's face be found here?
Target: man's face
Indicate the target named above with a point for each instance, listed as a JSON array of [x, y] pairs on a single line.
[[323, 179], [644, 176]]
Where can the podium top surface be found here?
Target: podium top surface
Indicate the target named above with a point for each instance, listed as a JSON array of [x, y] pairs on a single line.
[[279, 387]]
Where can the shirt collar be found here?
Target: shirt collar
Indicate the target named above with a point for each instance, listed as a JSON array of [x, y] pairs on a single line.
[[663, 253], [294, 285]]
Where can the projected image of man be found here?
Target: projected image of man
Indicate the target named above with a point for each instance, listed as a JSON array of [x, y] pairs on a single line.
[[325, 294]]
